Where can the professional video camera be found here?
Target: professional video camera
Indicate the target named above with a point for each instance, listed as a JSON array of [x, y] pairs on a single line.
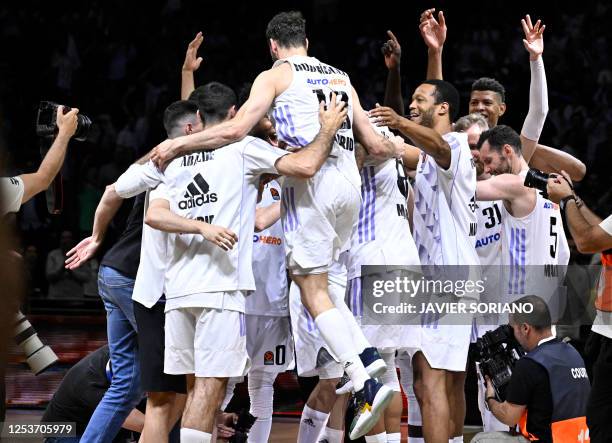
[[538, 180], [46, 121], [38, 355], [496, 353], [242, 427]]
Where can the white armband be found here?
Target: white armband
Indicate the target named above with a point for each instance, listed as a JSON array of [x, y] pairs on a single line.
[[538, 102]]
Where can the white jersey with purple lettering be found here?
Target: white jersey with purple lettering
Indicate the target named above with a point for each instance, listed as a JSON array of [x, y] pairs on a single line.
[[488, 232], [444, 214], [271, 297], [535, 253]]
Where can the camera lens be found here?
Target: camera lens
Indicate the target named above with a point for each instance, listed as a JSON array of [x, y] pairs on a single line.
[[83, 127]]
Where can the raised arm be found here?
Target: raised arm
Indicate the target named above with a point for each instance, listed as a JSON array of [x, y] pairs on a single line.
[[425, 138], [550, 160], [376, 145], [501, 187], [392, 51], [54, 159], [259, 102], [538, 89], [190, 65], [434, 35], [159, 216]]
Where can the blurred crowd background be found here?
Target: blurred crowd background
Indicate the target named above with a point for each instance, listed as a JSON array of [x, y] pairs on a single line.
[[119, 62]]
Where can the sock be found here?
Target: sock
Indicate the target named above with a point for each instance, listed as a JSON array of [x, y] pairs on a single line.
[[311, 424], [260, 431], [378, 438], [330, 435], [458, 439], [336, 334], [194, 436], [394, 437], [261, 393], [359, 339]]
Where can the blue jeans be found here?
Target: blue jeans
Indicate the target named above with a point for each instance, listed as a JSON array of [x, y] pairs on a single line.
[[124, 392], [62, 439]]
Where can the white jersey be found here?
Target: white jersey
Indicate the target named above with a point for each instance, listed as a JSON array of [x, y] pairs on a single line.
[[531, 246], [381, 235], [12, 189], [296, 110], [488, 232], [444, 207], [271, 294], [221, 190]]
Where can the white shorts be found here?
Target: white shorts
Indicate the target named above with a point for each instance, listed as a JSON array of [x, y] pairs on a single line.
[[318, 216], [313, 357], [444, 346], [206, 342], [269, 343]]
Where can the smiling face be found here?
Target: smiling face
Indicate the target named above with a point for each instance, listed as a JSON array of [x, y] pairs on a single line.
[[423, 106], [488, 104]]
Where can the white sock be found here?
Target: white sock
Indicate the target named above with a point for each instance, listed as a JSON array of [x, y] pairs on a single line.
[[330, 435], [359, 339], [260, 431], [194, 436], [458, 439], [378, 438], [261, 393], [395, 437], [337, 335], [311, 425]]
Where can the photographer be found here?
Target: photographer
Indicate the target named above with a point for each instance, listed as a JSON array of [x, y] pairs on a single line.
[[18, 190], [592, 234], [548, 391]]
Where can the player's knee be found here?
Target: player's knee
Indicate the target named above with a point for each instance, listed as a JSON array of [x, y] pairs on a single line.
[[160, 399], [261, 393]]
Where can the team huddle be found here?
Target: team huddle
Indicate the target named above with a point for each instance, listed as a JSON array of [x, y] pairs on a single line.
[[299, 180]]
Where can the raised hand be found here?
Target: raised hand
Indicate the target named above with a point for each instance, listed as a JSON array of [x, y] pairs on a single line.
[[164, 153], [392, 51], [433, 31], [534, 37], [192, 61], [67, 123], [82, 252], [385, 116]]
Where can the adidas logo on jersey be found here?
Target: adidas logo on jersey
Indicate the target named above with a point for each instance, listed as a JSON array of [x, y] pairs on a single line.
[[197, 194]]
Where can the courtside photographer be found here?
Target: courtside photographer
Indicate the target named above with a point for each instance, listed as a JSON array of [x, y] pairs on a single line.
[[547, 394]]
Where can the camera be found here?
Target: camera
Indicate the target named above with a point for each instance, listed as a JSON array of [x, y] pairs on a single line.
[[46, 121], [242, 427], [496, 353], [38, 356], [538, 180]]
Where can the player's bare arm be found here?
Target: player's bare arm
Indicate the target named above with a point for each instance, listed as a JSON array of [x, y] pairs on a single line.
[[40, 180], [434, 35], [159, 216], [425, 138], [372, 141], [265, 88], [508, 187], [392, 52], [538, 89], [306, 162], [190, 65], [553, 160], [266, 217], [87, 248]]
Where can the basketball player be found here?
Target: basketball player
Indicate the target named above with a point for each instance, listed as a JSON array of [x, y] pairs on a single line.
[[316, 228], [444, 227]]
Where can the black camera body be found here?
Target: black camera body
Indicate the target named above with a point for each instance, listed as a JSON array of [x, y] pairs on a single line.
[[538, 180], [46, 121], [496, 353], [242, 427]]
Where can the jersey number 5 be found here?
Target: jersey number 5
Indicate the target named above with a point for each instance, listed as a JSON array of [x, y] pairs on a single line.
[[553, 234]]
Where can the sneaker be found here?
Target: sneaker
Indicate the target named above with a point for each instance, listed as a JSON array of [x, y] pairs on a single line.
[[372, 400], [374, 365]]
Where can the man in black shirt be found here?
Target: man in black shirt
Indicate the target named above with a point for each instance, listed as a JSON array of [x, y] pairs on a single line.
[[549, 388], [81, 390]]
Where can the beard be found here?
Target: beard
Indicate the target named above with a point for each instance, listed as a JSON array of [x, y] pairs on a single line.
[[427, 118], [504, 166]]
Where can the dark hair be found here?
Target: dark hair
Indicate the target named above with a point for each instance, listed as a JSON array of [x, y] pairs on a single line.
[[288, 29], [214, 100], [176, 112], [499, 136], [490, 84], [539, 315], [445, 92]]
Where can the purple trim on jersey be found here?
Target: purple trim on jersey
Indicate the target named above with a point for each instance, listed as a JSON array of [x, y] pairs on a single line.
[[517, 277], [301, 141], [310, 324], [242, 324], [523, 248], [356, 301], [367, 227], [290, 221], [282, 127], [430, 320]]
